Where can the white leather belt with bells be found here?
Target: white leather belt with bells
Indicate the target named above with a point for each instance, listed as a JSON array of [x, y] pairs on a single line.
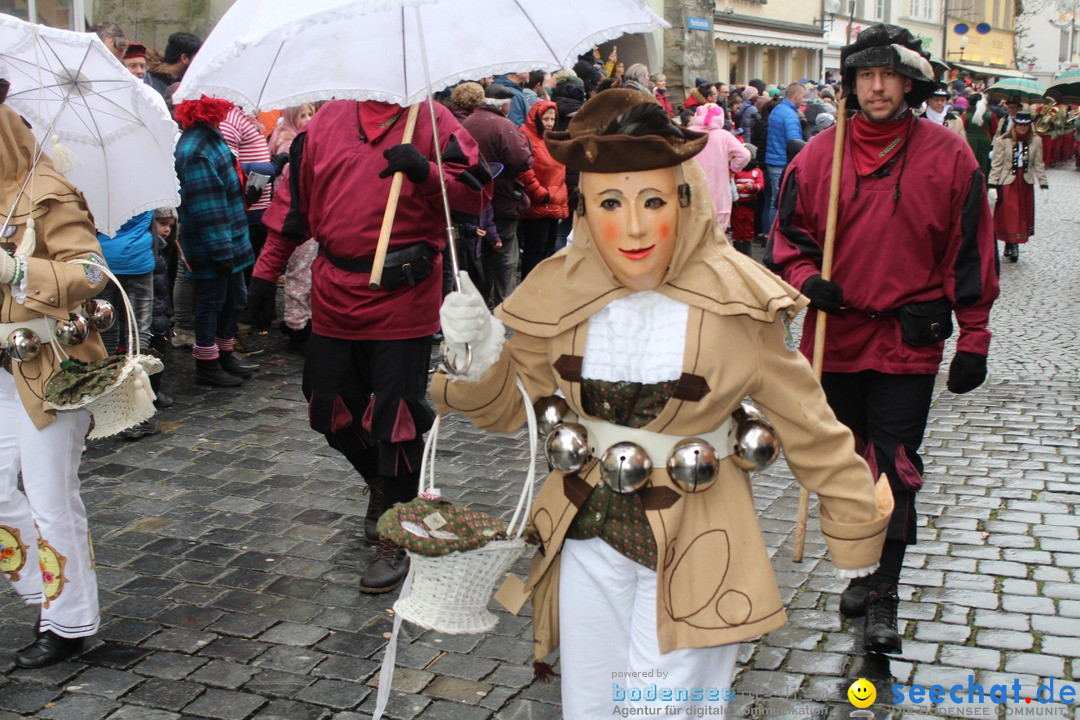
[[658, 446]]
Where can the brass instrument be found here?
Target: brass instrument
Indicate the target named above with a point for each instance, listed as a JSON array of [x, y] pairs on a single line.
[[1046, 118]]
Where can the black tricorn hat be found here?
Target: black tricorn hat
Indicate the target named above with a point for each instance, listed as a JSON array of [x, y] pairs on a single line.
[[622, 130], [889, 46]]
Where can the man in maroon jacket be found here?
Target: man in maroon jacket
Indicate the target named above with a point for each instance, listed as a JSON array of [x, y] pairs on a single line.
[[365, 376], [914, 246]]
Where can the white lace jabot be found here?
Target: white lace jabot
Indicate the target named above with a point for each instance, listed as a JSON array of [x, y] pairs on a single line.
[[638, 338]]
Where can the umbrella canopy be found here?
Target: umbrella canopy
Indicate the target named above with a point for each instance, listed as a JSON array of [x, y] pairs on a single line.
[[1066, 87], [1023, 88], [73, 91], [277, 53]]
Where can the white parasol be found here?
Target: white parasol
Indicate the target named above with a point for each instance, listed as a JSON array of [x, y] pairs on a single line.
[[276, 53], [78, 96]]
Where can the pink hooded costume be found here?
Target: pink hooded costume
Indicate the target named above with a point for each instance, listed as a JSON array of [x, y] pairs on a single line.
[[722, 157]]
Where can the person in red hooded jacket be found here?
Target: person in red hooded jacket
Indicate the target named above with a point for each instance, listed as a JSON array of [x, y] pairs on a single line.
[[545, 184]]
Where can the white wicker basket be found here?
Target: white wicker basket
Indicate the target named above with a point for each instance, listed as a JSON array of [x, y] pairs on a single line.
[[450, 593], [130, 399]]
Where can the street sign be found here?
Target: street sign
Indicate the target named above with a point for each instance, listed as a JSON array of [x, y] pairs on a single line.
[[698, 23]]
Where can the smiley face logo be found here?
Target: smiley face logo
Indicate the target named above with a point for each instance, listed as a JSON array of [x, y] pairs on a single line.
[[862, 693]]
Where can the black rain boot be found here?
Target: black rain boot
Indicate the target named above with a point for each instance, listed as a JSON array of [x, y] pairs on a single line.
[[209, 372], [375, 508], [233, 366], [853, 599], [161, 400], [879, 633], [388, 571], [48, 648]]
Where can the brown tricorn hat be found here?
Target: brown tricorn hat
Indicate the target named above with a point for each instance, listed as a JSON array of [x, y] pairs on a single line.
[[622, 130]]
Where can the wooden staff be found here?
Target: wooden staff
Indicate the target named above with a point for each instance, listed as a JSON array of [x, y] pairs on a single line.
[[826, 274], [391, 207]]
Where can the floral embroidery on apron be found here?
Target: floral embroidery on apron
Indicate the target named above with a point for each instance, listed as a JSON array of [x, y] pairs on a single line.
[[52, 571]]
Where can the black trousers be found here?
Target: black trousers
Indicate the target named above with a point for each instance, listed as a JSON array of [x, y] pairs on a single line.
[[887, 414], [368, 398]]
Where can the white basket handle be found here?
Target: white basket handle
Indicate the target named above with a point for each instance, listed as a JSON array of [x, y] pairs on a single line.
[[524, 505], [133, 331]]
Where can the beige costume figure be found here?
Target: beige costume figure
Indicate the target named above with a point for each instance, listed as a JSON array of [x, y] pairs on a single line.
[[44, 538], [654, 330]]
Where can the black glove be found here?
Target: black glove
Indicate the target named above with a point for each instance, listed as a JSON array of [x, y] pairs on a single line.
[[967, 372], [262, 299], [279, 161], [223, 267], [407, 159], [824, 295]]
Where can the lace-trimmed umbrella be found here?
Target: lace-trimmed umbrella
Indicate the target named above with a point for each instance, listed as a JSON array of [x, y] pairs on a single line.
[[106, 131], [277, 53]]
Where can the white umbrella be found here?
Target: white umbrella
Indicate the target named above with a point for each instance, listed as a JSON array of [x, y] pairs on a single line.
[[75, 92], [277, 53]]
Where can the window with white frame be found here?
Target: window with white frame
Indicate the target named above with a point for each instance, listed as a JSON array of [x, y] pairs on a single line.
[[879, 9], [928, 10]]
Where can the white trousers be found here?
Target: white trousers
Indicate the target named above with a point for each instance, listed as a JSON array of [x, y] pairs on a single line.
[[609, 652], [44, 538]]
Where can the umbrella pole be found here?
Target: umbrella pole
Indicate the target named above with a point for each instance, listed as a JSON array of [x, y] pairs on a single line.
[[391, 207], [826, 274]]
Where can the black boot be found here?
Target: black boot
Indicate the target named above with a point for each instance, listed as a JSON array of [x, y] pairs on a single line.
[[879, 634], [375, 508], [209, 372], [388, 571], [233, 366], [298, 339], [48, 648], [853, 599], [161, 400], [1012, 252], [742, 246]]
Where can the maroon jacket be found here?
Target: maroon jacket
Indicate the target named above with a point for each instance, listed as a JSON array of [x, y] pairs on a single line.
[[936, 240], [547, 177], [343, 199], [501, 141]]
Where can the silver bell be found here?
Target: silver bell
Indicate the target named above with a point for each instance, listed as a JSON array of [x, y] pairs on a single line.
[[101, 313], [756, 443], [23, 344], [567, 447], [625, 467], [550, 412], [693, 465], [72, 331]]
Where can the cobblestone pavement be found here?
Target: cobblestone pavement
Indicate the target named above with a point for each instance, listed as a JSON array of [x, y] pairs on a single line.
[[229, 549]]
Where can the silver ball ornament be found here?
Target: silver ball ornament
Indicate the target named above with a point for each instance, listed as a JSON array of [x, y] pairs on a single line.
[[72, 331], [756, 443], [552, 411], [567, 447], [23, 344], [693, 465], [625, 467], [101, 313]]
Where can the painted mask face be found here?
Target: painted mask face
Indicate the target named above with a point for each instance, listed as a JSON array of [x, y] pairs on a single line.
[[634, 220]]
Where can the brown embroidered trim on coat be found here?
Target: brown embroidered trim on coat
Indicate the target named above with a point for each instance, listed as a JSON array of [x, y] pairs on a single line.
[[691, 387], [569, 367]]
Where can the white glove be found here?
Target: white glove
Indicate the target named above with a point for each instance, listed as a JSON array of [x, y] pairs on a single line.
[[467, 321], [991, 195], [1045, 195], [9, 268]]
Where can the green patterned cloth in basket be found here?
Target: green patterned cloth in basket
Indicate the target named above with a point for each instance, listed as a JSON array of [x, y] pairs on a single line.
[[77, 379], [438, 527]]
